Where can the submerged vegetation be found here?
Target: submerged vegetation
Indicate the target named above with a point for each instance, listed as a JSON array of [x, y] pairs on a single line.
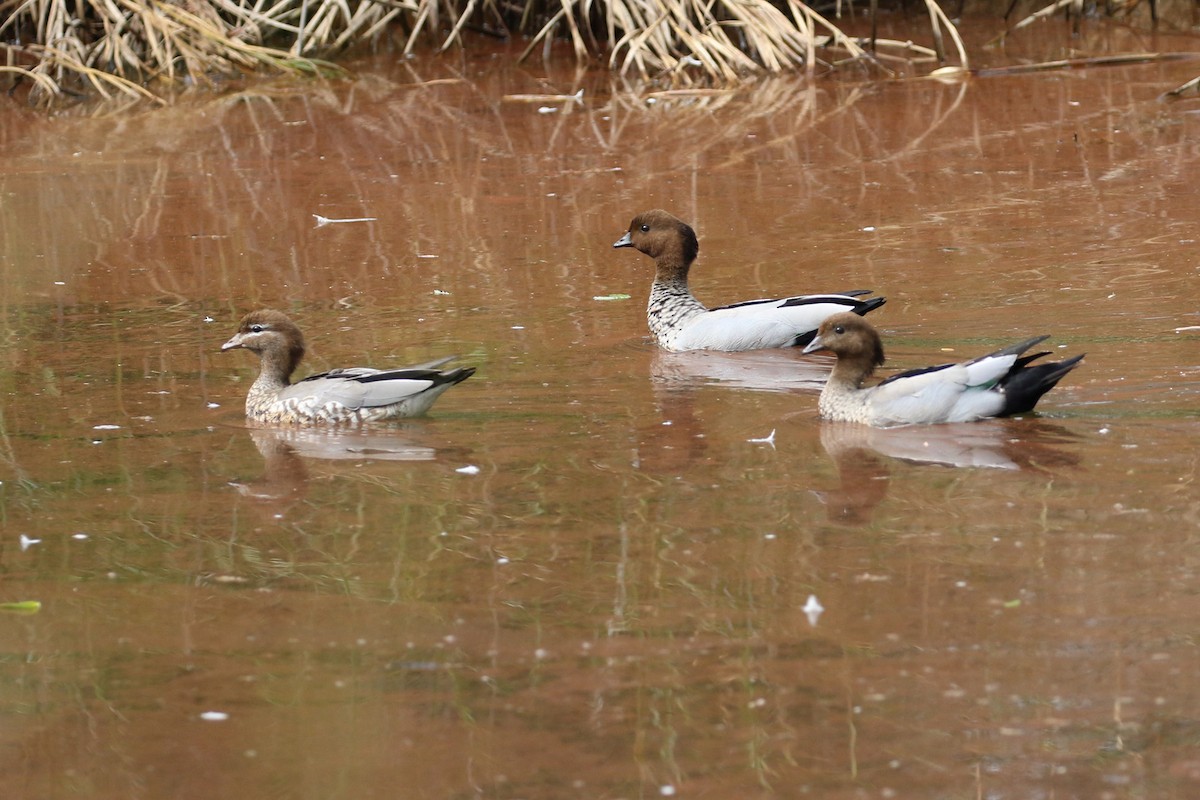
[[58, 48]]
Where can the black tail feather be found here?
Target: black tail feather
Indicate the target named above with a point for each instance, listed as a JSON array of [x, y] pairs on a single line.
[[1024, 385], [868, 305]]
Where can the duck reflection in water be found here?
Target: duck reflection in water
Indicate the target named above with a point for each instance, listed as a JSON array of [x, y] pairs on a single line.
[[287, 451], [862, 455], [763, 370], [676, 439]]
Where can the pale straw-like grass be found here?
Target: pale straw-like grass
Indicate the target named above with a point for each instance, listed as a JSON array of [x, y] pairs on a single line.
[[132, 47]]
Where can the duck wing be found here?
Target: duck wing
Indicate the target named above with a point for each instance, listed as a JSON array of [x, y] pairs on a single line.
[[950, 392], [362, 387], [780, 322]]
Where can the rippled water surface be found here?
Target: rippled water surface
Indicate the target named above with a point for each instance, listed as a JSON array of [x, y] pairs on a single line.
[[612, 603]]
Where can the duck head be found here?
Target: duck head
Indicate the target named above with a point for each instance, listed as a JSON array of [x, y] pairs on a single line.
[[851, 338], [662, 236], [273, 337]]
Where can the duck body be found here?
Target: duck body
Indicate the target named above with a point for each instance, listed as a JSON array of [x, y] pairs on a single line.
[[339, 397], [678, 321], [999, 384]]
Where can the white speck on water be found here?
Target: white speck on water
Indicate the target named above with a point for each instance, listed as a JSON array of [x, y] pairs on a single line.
[[666, 790], [541, 653], [502, 560], [27, 542], [813, 610], [768, 439], [769, 536], [960, 584], [470, 469], [546, 109], [1103, 430], [518, 327], [869, 229], [212, 405], [440, 292], [106, 427], [323, 221], [79, 536], [60, 283], [209, 319], [214, 716]]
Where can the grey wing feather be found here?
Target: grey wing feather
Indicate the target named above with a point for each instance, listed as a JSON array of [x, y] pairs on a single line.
[[359, 387]]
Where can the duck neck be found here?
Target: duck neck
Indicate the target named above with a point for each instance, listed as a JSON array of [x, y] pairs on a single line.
[[671, 301], [850, 374], [275, 369]]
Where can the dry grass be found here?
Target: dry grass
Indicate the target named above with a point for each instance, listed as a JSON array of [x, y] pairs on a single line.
[[134, 47]]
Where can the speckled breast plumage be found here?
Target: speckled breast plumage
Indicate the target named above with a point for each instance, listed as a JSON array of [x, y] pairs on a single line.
[[668, 311], [265, 405]]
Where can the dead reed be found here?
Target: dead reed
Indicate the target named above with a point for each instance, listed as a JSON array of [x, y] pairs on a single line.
[[133, 47]]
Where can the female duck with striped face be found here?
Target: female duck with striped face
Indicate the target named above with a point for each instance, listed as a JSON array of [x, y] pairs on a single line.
[[679, 322], [338, 397], [999, 384]]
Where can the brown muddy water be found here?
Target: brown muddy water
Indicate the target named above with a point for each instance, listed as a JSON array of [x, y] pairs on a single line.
[[611, 603]]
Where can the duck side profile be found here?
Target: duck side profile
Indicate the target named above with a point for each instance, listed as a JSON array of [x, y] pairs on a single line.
[[338, 397], [680, 322], [999, 384]]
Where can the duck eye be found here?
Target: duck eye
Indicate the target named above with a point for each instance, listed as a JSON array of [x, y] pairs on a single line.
[[839, 329], [256, 328], [645, 228]]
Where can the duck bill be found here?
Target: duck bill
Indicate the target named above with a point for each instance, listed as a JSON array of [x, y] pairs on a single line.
[[232, 344], [624, 241], [813, 346]]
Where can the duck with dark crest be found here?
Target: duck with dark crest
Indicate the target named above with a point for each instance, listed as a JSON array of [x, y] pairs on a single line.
[[679, 321], [999, 384]]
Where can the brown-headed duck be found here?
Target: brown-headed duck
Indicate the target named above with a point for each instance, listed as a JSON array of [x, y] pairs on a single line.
[[679, 321], [999, 384], [338, 397]]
